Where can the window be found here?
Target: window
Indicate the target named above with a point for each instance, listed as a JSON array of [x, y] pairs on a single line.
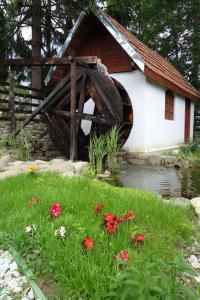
[[169, 105]]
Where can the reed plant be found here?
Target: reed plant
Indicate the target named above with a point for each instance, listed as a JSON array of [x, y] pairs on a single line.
[[104, 148], [112, 148], [97, 153]]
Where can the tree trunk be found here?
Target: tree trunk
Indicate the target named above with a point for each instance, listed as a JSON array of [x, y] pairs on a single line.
[[36, 72]]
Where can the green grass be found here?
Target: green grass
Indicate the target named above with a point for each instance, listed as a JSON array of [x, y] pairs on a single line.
[[63, 264]]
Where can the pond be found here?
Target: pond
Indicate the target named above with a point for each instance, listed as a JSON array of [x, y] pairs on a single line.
[[169, 182]]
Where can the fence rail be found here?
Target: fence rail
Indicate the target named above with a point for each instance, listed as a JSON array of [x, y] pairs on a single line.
[[17, 102]]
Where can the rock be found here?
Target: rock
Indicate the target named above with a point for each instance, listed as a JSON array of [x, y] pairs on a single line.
[[197, 278], [14, 286], [5, 160], [5, 297], [136, 161], [80, 167], [167, 160], [30, 295], [107, 173], [195, 202], [180, 201], [13, 266], [3, 269], [154, 159], [193, 260]]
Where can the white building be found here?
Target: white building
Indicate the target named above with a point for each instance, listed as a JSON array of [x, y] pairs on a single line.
[[162, 99]]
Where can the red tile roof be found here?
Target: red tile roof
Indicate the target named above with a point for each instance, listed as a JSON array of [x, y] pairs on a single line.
[[158, 68]]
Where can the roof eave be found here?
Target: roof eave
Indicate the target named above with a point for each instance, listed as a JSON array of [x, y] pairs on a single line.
[[168, 84]]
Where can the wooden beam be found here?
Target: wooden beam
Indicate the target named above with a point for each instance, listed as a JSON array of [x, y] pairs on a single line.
[[82, 98], [73, 135], [18, 62], [83, 116]]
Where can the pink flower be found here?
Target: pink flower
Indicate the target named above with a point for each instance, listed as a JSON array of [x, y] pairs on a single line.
[[98, 208], [55, 210], [88, 243], [122, 255]]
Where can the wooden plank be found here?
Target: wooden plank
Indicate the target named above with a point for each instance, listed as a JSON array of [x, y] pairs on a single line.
[[11, 102], [23, 87], [17, 110], [21, 103], [73, 142], [5, 92]]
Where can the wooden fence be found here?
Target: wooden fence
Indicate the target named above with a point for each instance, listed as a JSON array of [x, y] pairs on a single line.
[[17, 102]]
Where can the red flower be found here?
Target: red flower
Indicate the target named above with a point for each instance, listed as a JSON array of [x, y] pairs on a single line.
[[138, 239], [110, 223], [109, 217], [129, 216], [98, 208], [122, 255], [55, 210], [88, 243]]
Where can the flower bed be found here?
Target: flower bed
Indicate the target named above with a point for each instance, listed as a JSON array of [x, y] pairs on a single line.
[[76, 234]]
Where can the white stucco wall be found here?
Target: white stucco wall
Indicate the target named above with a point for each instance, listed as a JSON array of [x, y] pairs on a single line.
[[151, 131]]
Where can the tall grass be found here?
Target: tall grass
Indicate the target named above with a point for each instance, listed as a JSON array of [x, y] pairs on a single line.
[[104, 148]]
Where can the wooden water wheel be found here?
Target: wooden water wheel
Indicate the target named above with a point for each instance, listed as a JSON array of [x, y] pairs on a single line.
[[102, 94], [66, 113]]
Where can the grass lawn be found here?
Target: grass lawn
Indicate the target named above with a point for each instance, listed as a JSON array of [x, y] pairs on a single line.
[[71, 272]]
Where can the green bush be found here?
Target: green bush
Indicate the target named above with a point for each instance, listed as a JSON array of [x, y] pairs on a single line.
[[155, 280]]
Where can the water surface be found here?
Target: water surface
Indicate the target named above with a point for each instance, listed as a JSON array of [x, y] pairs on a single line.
[[169, 182]]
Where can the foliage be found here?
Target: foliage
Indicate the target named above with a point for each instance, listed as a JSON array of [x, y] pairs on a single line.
[[62, 262], [159, 279], [191, 150], [19, 147]]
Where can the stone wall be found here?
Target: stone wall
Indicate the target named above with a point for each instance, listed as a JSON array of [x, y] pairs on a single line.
[[43, 149]]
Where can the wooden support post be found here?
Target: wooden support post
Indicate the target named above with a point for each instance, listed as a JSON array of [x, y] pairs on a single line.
[[73, 141], [11, 102]]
